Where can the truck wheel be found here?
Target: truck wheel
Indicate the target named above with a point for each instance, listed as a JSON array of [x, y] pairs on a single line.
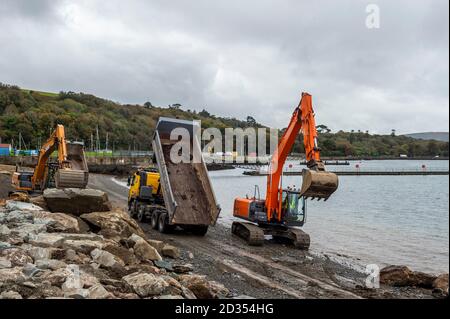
[[132, 209], [200, 230], [163, 225], [155, 220], [141, 213]]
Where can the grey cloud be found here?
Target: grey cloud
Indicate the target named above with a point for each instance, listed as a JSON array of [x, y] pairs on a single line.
[[241, 58]]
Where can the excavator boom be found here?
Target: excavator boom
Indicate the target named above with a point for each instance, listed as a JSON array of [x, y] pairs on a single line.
[[317, 183]]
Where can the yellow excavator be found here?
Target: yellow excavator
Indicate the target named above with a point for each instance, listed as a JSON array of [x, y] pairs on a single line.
[[69, 171]]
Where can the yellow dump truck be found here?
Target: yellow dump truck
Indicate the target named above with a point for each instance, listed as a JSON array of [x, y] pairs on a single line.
[[173, 194]]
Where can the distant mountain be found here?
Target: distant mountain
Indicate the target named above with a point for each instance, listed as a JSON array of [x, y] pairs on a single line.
[[438, 136]]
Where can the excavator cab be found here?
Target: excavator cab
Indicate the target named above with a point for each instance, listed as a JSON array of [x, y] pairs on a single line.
[[293, 208]]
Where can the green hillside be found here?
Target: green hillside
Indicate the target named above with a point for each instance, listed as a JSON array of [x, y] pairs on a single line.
[[34, 114]]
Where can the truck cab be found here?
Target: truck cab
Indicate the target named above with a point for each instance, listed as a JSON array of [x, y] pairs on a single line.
[[145, 188]]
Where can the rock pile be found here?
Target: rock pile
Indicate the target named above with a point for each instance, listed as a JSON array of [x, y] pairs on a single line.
[[403, 276], [94, 255]]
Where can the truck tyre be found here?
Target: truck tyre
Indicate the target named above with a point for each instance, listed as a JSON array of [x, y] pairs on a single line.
[[200, 230], [163, 225], [141, 213], [132, 209], [155, 219]]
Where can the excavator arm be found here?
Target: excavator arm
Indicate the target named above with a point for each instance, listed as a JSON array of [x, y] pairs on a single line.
[[317, 183]]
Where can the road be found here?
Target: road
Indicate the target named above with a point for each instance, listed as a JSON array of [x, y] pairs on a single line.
[[272, 271]]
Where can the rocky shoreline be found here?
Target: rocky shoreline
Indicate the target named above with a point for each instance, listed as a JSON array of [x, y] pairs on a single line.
[[50, 248], [98, 255]]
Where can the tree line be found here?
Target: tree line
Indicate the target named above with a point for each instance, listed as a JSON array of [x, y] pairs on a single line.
[[35, 114]]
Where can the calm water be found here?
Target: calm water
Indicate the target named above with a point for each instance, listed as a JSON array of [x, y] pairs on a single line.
[[379, 219]]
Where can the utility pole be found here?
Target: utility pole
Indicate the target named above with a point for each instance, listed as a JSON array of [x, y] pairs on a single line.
[[106, 144]]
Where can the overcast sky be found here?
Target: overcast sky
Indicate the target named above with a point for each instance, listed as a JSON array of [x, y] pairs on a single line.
[[239, 58]]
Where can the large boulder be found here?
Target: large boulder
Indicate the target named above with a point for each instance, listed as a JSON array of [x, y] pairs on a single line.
[[171, 251], [76, 201], [10, 295], [82, 246], [145, 284], [106, 259], [57, 222], [17, 256], [202, 288], [5, 181], [21, 206], [401, 276], [441, 282], [122, 253], [39, 201], [113, 224], [144, 251], [14, 275]]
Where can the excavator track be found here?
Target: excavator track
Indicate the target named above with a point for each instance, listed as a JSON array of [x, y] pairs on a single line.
[[300, 239], [297, 237], [65, 178], [251, 233]]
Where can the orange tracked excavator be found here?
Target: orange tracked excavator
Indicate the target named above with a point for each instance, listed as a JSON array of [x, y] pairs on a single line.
[[284, 208], [69, 171]]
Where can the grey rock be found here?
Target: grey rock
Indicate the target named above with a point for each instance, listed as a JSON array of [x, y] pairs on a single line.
[[26, 230], [243, 297], [76, 293], [5, 263], [21, 206], [76, 201], [202, 288], [188, 294], [145, 284], [50, 264], [164, 265], [30, 270], [10, 295], [4, 245], [171, 251], [83, 246], [46, 240], [91, 237], [4, 230], [182, 268], [106, 259], [116, 224], [157, 244], [19, 216], [38, 253], [170, 297], [57, 222], [99, 292], [144, 251], [17, 256], [29, 284]]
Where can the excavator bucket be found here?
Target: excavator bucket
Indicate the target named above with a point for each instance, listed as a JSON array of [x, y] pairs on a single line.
[[318, 184], [77, 176], [69, 178]]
